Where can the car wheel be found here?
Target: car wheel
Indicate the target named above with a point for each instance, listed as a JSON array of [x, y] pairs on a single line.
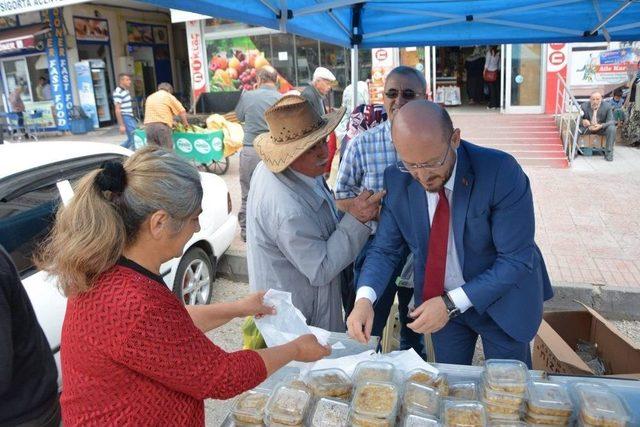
[[193, 284]]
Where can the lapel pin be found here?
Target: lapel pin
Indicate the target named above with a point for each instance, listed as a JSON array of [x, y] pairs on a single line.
[[465, 182]]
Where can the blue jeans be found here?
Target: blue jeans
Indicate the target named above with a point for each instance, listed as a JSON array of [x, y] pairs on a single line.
[[130, 125], [384, 302]]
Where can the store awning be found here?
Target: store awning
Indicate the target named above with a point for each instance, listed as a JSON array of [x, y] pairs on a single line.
[[21, 38], [389, 23]]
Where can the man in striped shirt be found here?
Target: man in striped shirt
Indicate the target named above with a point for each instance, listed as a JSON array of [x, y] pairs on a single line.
[[124, 109]]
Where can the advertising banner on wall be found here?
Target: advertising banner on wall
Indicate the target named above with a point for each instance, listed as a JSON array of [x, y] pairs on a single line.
[[603, 67], [60, 80], [382, 62], [197, 60]]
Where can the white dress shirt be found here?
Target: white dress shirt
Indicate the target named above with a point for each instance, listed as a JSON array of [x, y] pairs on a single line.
[[453, 279]]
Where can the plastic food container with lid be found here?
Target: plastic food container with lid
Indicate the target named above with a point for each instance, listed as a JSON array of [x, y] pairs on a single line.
[[465, 390], [500, 398], [287, 406], [510, 376], [414, 420], [599, 406], [547, 398], [371, 370], [464, 413], [421, 376], [376, 400], [329, 413], [248, 409], [421, 399], [359, 420], [508, 423], [329, 383]]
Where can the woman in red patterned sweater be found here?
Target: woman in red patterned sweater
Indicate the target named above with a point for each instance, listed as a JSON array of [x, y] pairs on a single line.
[[132, 354]]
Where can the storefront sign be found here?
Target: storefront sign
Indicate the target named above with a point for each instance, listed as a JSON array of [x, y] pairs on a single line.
[[139, 33], [197, 60], [89, 29], [556, 64], [14, 7], [603, 67], [26, 43], [59, 69]]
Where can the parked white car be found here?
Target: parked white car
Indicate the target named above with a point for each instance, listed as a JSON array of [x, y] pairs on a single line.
[[36, 177]]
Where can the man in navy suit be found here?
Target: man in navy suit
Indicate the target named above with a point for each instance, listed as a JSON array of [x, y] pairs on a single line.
[[466, 214]]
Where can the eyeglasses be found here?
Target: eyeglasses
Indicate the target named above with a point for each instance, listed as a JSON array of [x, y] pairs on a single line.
[[412, 167], [406, 94]]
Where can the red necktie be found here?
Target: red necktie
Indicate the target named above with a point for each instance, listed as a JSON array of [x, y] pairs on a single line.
[[437, 257]]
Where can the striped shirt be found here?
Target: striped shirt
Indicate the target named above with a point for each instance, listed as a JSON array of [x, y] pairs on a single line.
[[123, 98]]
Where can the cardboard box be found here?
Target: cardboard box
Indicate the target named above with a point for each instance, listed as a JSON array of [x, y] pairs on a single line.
[[593, 141], [555, 344]]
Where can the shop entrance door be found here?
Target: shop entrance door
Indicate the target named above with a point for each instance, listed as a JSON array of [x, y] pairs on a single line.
[[524, 79]]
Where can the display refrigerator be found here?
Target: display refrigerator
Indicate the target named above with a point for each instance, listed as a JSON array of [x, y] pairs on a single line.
[[92, 90]]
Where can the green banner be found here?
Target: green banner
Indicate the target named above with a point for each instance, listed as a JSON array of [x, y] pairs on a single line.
[[202, 147]]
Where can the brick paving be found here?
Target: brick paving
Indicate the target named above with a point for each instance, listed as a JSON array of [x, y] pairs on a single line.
[[587, 216]]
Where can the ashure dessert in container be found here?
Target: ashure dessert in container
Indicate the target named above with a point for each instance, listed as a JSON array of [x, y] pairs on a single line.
[[330, 383], [371, 370], [508, 376], [548, 399], [287, 406], [421, 376], [500, 398], [249, 407], [329, 413], [465, 390], [414, 420], [359, 420], [376, 399], [599, 406], [421, 400], [461, 413]]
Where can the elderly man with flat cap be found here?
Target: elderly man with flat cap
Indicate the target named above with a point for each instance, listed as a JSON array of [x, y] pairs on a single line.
[[466, 214], [296, 239]]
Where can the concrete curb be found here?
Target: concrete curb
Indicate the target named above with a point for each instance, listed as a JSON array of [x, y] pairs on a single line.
[[615, 303]]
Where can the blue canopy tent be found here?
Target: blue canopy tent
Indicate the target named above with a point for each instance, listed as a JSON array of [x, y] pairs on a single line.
[[389, 23]]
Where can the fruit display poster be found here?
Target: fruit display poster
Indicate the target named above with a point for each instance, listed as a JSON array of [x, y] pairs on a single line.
[[233, 64]]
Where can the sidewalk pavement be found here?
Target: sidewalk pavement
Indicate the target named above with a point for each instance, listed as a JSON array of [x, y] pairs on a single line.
[[587, 226]]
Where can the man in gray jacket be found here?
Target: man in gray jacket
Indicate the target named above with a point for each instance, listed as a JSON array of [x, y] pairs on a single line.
[[598, 119], [296, 240]]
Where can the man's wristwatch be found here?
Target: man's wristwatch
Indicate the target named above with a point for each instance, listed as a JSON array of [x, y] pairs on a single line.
[[452, 310]]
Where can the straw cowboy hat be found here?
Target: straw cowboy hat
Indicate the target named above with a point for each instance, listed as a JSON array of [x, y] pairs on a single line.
[[294, 127]]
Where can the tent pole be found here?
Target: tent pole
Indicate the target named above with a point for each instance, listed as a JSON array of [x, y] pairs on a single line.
[[354, 77]]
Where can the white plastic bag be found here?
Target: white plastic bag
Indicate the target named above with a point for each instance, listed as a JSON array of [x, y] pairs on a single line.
[[288, 323]]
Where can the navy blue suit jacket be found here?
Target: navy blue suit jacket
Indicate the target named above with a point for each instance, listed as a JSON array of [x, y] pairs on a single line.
[[493, 226]]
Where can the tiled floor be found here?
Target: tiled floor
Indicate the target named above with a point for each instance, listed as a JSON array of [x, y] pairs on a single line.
[[587, 216]]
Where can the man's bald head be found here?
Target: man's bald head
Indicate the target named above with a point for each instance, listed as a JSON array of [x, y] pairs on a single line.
[[422, 115], [426, 142]]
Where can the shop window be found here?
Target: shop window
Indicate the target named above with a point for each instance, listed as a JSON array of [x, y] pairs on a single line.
[[307, 59], [283, 56], [26, 72]]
